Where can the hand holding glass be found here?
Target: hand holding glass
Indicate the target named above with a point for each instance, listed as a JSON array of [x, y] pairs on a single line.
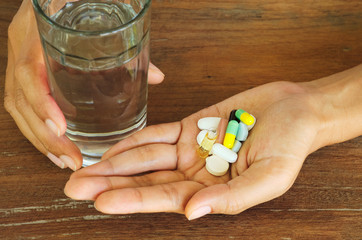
[[97, 56]]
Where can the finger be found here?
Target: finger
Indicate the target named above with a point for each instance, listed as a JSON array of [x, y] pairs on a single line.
[[163, 133], [88, 188], [26, 131], [58, 146], [23, 19], [25, 65], [18, 118], [9, 101], [155, 76], [30, 73], [137, 160], [261, 182], [170, 197]]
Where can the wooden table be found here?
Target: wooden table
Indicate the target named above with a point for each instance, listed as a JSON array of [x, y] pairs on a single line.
[[209, 50]]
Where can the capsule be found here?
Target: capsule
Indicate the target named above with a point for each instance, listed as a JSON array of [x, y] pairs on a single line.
[[251, 126], [243, 132], [233, 116], [237, 146], [230, 135], [207, 143], [244, 117]]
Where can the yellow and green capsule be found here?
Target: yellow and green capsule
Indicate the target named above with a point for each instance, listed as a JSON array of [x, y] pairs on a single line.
[[244, 117], [230, 135]]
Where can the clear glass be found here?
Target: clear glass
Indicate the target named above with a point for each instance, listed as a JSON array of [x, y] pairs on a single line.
[[97, 56]]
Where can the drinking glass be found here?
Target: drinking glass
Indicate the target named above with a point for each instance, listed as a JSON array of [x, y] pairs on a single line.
[[97, 55]]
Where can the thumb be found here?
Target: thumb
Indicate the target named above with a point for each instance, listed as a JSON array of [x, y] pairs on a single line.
[[155, 76], [261, 182]]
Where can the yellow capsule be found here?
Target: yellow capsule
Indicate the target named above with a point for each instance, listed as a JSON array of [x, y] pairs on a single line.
[[207, 143], [230, 135], [244, 117], [229, 140]]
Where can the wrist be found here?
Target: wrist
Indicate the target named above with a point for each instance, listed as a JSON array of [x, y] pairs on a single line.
[[337, 100]]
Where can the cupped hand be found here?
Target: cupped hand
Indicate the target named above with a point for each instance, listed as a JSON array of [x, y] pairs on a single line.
[[158, 169], [27, 95]]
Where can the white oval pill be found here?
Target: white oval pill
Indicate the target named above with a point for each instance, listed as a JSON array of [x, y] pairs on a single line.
[[236, 147], [243, 132], [208, 123], [216, 165], [224, 152], [201, 136], [252, 125]]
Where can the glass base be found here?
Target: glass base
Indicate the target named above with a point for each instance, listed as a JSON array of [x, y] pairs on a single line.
[[93, 146], [88, 161]]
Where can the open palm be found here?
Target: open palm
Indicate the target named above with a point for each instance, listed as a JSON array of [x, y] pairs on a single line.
[[158, 169]]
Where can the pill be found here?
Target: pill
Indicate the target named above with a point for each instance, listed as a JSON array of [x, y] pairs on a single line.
[[201, 136], [231, 132], [251, 126], [224, 152], [236, 147], [208, 123], [244, 117], [243, 132], [233, 116], [216, 165], [207, 144]]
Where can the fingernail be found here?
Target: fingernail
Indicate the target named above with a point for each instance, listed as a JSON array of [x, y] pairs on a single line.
[[69, 162], [156, 70], [56, 160], [52, 126], [95, 206], [202, 211]]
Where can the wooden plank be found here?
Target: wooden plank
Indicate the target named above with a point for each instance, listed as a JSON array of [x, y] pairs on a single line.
[[209, 50]]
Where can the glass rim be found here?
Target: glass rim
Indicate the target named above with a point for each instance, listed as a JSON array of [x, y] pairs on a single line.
[[123, 26]]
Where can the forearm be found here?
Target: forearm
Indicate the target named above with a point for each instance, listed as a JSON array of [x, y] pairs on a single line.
[[339, 104]]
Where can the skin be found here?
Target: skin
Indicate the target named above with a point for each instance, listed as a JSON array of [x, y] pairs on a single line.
[[158, 169], [33, 109]]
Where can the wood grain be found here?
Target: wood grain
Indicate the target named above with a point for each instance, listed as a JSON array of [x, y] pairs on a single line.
[[209, 50]]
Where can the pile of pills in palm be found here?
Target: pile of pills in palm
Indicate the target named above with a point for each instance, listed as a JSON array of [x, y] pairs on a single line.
[[219, 156]]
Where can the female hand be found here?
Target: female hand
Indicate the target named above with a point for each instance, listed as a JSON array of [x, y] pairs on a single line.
[[27, 95], [158, 169]]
